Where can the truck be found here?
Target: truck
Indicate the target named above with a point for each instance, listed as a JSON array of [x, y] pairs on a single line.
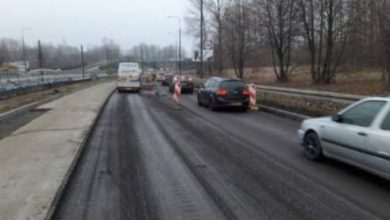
[[129, 77]]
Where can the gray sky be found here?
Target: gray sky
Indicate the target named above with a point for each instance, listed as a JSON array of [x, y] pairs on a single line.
[[87, 22]]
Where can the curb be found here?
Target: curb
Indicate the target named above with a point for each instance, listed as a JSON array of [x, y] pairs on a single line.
[[283, 113], [63, 186]]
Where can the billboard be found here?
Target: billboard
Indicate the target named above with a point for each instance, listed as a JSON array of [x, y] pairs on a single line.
[[208, 52]]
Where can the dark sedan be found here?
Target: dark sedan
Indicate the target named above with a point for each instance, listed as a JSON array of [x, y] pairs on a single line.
[[218, 92], [187, 86], [166, 79]]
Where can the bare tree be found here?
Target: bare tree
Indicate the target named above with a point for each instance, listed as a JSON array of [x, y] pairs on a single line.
[[238, 34], [56, 56], [383, 9], [364, 44], [153, 53], [325, 28], [216, 10], [280, 18], [112, 51]]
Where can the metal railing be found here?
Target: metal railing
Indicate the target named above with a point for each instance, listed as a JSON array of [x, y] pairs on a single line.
[[341, 98], [14, 83], [311, 94]]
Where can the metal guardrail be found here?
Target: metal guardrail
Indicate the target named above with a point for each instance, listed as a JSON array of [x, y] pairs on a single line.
[[15, 83], [311, 94], [341, 98]]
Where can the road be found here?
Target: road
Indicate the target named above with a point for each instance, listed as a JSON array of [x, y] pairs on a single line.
[[147, 160]]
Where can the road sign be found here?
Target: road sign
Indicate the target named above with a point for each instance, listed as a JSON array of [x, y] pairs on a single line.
[[207, 54]]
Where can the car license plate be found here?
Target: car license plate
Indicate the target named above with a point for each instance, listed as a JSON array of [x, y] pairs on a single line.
[[236, 104]]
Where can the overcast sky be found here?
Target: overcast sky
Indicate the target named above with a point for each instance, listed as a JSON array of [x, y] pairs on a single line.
[[87, 22]]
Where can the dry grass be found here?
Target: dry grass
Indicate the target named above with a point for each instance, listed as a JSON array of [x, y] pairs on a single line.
[[365, 82], [299, 105], [20, 100]]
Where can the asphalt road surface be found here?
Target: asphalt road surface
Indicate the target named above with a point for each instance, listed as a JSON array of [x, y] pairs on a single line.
[[147, 160]]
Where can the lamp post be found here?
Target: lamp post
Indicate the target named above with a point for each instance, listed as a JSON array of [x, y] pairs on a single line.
[[176, 54], [82, 61], [24, 48], [201, 38], [179, 22]]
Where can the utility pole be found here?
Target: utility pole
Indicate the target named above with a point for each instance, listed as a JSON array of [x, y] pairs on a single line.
[[82, 61], [201, 38], [176, 52], [40, 58], [40, 55], [176, 57], [107, 56], [179, 47], [142, 58], [24, 48], [179, 22]]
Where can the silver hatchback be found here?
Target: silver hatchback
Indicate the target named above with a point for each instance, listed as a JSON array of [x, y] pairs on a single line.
[[359, 135]]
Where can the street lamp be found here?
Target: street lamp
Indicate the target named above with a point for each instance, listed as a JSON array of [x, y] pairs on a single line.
[[176, 58], [24, 48], [179, 22]]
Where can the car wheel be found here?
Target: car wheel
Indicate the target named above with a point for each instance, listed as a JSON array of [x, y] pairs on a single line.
[[313, 149], [212, 106], [199, 102], [244, 108]]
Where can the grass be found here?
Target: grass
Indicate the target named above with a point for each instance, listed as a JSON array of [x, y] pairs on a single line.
[[363, 82]]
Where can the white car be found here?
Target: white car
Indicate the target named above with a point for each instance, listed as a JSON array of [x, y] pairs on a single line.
[[359, 135]]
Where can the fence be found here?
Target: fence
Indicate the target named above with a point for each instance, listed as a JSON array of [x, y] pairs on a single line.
[[311, 94], [15, 83]]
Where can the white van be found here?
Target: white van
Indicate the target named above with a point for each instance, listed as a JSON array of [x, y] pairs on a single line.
[[129, 77]]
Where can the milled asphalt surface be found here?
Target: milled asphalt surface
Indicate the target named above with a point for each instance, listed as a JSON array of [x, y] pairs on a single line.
[[147, 160]]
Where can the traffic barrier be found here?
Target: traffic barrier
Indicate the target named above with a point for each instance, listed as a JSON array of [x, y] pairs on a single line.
[[15, 83], [252, 97], [323, 96], [176, 94], [149, 88]]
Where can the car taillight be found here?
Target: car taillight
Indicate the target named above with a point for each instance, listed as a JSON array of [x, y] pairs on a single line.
[[246, 93], [222, 92]]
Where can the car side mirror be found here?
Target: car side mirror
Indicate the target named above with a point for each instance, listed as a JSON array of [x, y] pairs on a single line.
[[337, 118]]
